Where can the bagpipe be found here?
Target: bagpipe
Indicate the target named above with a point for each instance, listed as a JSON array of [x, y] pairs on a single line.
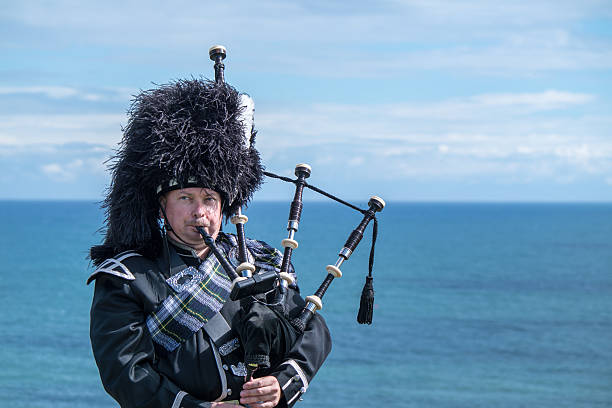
[[265, 320]]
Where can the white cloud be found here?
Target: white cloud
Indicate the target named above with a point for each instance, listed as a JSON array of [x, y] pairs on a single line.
[[28, 129], [538, 101], [52, 169], [472, 119], [515, 135], [75, 168], [64, 92], [519, 38], [504, 133], [63, 172], [472, 108], [520, 135], [356, 161], [56, 92], [380, 19]]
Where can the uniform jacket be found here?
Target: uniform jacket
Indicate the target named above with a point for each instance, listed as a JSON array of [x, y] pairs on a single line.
[[208, 365]]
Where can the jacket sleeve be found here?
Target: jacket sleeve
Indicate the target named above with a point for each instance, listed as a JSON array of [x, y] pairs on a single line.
[[307, 355], [124, 351], [305, 358]]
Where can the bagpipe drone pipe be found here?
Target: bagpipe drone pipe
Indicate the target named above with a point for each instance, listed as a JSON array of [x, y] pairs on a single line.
[[268, 324]]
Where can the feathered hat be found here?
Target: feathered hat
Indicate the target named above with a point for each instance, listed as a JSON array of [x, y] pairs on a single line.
[[182, 134]]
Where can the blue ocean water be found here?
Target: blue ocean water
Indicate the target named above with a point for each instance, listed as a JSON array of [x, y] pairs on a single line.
[[477, 305]]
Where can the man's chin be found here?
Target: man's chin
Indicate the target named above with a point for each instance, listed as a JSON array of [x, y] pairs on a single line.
[[194, 235], [191, 238], [195, 241]]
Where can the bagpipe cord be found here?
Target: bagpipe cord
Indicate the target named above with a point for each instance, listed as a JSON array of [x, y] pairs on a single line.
[[366, 304]]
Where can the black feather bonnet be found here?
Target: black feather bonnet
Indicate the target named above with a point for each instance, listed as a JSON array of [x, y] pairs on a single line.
[[186, 133]]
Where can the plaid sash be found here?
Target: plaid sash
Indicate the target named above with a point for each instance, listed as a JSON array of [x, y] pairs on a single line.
[[200, 293]]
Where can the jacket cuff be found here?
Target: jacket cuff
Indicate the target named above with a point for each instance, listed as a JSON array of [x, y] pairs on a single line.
[[293, 382], [184, 400]]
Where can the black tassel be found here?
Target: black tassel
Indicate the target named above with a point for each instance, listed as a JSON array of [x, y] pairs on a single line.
[[366, 305]]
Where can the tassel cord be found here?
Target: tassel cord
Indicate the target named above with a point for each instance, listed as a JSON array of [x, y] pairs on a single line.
[[374, 235]]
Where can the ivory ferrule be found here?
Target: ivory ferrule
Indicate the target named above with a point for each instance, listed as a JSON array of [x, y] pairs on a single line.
[[247, 267], [334, 270], [292, 225], [285, 279], [314, 303], [239, 219], [289, 243]]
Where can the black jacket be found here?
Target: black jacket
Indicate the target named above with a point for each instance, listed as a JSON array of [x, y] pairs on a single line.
[[138, 373]]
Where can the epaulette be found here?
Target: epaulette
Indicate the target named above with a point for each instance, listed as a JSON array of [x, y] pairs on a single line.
[[113, 266]]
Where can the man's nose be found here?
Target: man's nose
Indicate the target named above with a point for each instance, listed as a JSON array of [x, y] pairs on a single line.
[[200, 209]]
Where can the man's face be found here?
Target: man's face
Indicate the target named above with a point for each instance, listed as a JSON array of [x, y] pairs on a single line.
[[191, 207]]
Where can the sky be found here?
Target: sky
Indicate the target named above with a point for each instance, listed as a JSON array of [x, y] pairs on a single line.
[[424, 100]]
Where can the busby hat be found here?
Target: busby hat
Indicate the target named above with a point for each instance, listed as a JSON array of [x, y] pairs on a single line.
[[186, 133]]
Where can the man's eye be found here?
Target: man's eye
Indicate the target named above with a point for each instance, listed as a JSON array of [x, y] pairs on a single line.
[[184, 198]]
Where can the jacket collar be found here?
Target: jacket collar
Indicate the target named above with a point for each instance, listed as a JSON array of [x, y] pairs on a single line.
[[182, 249]]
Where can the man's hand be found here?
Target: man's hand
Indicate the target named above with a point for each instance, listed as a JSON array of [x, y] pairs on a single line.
[[264, 392]]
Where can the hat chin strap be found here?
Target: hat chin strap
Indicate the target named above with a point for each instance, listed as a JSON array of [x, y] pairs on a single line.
[[169, 228]]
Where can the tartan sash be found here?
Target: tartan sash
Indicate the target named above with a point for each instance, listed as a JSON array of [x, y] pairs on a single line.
[[199, 295]]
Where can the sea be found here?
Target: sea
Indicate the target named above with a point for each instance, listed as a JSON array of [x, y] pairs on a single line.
[[476, 305]]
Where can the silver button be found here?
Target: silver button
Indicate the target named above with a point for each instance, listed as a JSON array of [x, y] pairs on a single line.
[[229, 391], [225, 367], [302, 390]]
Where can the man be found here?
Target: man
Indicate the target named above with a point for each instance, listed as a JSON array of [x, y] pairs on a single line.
[[163, 329]]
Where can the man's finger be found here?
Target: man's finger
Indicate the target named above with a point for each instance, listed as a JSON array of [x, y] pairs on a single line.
[[258, 382], [261, 392], [268, 404], [254, 392]]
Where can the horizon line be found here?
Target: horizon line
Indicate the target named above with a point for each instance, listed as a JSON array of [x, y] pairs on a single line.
[[317, 201]]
